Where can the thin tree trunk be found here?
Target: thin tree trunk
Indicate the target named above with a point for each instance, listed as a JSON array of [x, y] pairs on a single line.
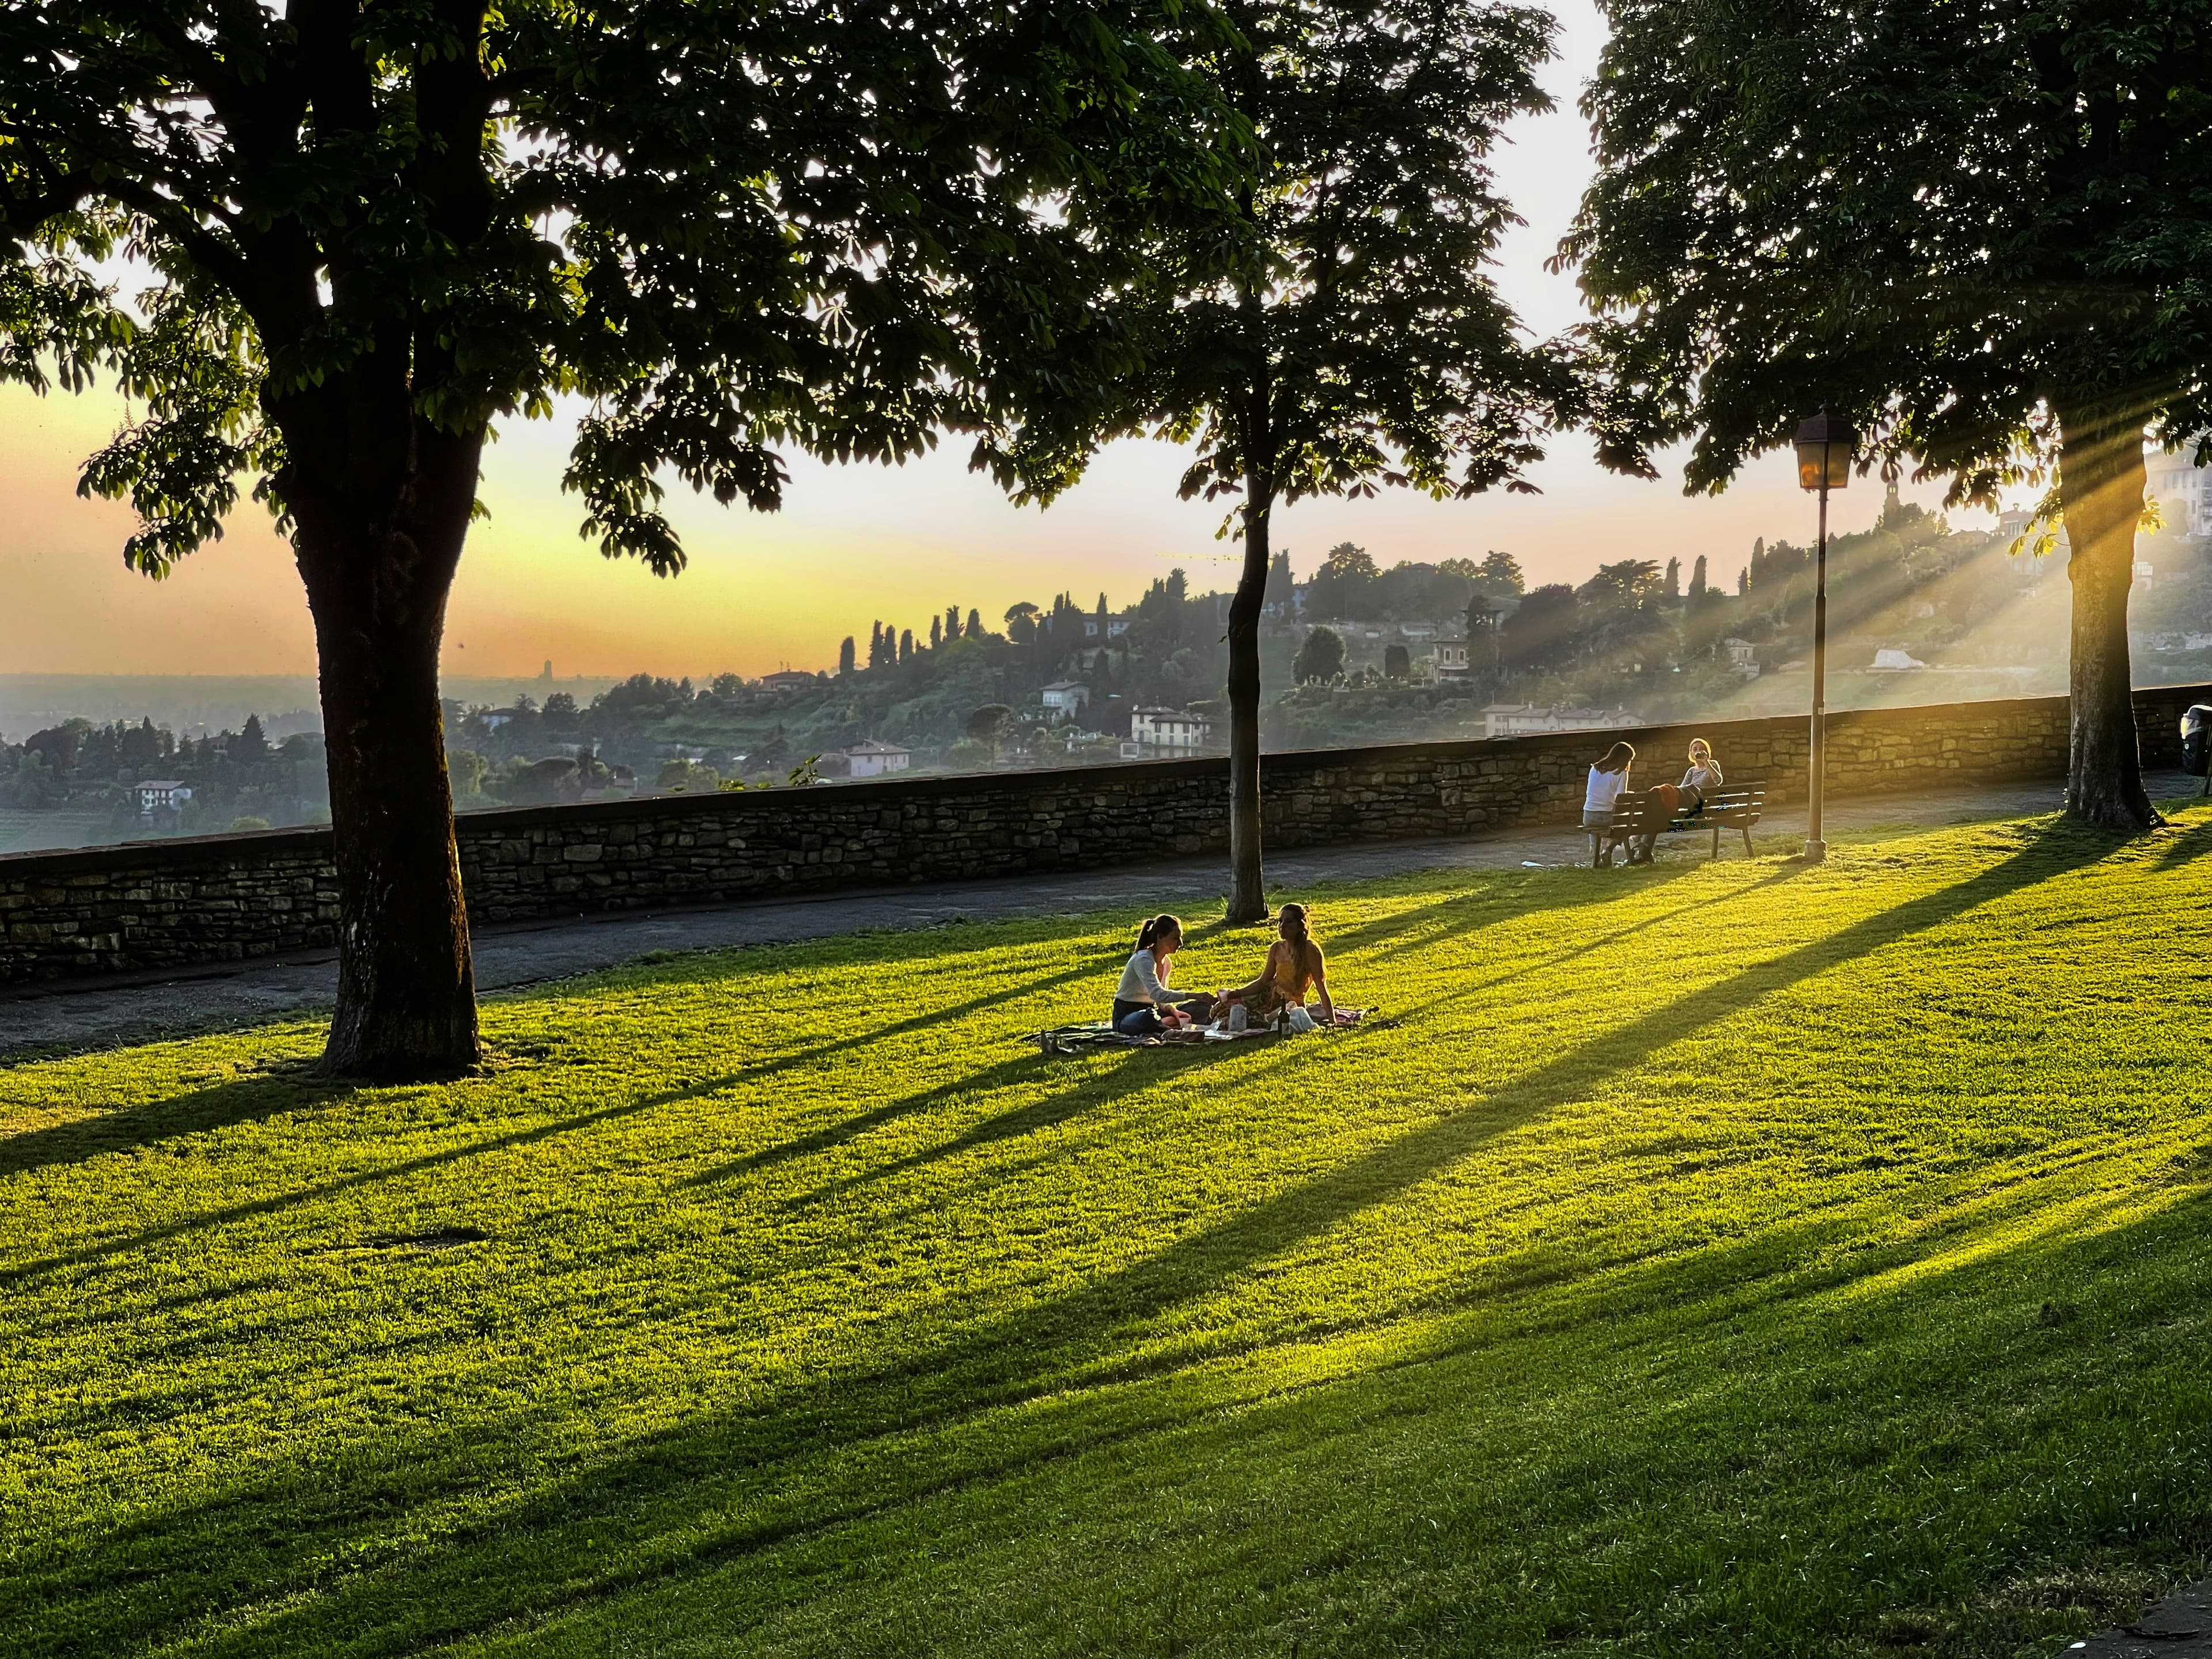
[[1247, 889], [377, 578], [2101, 486]]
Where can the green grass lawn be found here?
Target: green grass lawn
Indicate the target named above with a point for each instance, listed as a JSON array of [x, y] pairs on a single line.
[[1722, 1259]]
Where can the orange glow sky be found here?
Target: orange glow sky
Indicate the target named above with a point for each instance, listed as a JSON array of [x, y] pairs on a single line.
[[852, 544]]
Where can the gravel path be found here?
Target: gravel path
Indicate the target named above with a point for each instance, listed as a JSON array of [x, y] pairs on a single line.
[[98, 1013]]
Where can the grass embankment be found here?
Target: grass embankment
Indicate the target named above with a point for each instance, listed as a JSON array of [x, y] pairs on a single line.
[[1719, 1261]]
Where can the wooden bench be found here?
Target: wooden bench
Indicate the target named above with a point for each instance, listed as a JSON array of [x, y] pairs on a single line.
[[1641, 812]]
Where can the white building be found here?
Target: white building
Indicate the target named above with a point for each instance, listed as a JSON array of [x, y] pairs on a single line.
[[157, 792], [2182, 489], [870, 759], [1743, 656], [1529, 719], [788, 679], [1890, 658], [1450, 659], [1168, 728], [1064, 699]]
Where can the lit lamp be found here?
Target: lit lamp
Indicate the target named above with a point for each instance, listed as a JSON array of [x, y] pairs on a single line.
[[1824, 463]]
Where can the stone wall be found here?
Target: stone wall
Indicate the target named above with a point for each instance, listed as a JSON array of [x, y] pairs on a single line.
[[176, 903]]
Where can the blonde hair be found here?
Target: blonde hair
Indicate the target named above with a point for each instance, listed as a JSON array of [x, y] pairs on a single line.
[[1699, 747]]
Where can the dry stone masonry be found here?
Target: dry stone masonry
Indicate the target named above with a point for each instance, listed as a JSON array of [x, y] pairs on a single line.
[[156, 905]]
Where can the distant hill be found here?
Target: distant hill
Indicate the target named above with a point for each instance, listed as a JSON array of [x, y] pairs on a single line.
[[197, 705]]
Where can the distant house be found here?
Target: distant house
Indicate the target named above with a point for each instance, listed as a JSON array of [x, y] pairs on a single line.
[[1896, 660], [867, 759], [2182, 489], [1064, 699], [1743, 656], [788, 679], [1526, 720], [495, 718], [1450, 660], [1168, 728], [155, 793]]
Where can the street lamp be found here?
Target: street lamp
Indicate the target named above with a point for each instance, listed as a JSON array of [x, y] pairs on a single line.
[[1824, 463]]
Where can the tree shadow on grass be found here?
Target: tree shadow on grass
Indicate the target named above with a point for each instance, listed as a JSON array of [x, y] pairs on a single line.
[[2192, 844], [678, 1497], [1139, 1068], [276, 1203], [243, 1099], [831, 1136]]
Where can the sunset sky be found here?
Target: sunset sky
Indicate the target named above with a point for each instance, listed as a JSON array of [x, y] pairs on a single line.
[[852, 544]]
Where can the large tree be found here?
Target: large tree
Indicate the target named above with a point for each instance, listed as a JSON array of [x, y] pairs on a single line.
[[1977, 229], [365, 229], [1336, 328]]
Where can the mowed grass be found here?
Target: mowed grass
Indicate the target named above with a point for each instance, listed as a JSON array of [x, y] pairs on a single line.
[[1718, 1260]]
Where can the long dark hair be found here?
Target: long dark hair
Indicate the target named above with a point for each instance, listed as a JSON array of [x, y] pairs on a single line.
[[1618, 758], [1150, 934], [1295, 925]]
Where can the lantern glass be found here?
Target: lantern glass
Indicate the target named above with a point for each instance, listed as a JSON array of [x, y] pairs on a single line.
[[1823, 464], [1825, 446]]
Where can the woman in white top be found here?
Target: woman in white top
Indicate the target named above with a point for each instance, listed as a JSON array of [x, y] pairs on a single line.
[[1606, 779], [1142, 1002], [1703, 777]]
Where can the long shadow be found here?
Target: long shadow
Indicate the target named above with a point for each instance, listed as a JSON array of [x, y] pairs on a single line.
[[668, 1484], [156, 1123], [2186, 848], [1088, 1321], [1139, 1067], [1483, 903], [1097, 966], [244, 1100], [831, 1136], [1590, 946], [276, 1203]]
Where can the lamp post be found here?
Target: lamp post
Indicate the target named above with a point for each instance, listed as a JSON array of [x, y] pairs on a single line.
[[1824, 463]]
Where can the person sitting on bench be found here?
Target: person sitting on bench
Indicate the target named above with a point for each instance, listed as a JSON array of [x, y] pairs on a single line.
[[1686, 799], [1607, 780], [1142, 1003], [1294, 962]]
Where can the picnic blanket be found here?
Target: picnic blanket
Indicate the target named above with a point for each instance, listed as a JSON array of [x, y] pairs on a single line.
[[1100, 1033]]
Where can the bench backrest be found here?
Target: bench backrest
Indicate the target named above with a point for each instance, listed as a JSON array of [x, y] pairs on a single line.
[[1640, 811]]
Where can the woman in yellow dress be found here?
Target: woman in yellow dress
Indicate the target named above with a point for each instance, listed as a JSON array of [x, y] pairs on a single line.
[[1294, 964]]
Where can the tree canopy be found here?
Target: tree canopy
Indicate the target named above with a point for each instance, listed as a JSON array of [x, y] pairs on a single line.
[[1977, 230], [369, 228], [1334, 328]]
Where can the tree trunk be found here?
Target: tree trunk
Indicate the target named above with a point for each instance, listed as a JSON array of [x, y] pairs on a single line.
[[378, 572], [2101, 486], [1247, 889]]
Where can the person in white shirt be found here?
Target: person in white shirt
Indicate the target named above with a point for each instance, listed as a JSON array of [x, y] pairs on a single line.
[[1142, 1002], [1607, 780]]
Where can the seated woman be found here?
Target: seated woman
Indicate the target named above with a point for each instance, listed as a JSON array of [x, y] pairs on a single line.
[[1294, 962], [1607, 779], [1686, 799], [1142, 1002]]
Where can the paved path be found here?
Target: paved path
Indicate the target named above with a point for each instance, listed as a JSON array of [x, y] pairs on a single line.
[[94, 1013], [2179, 1627]]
